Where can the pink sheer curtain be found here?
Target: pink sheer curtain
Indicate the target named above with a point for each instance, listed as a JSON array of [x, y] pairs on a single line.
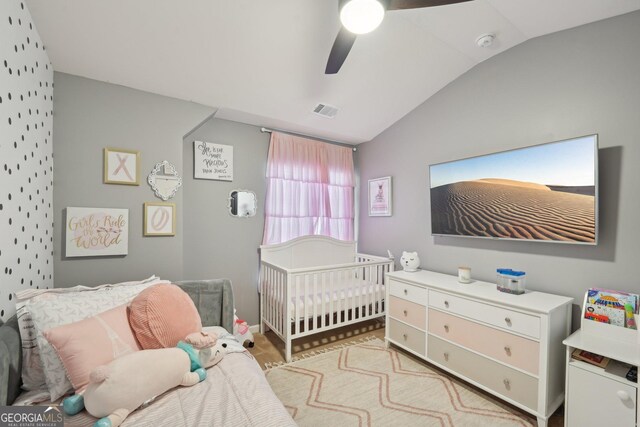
[[309, 189]]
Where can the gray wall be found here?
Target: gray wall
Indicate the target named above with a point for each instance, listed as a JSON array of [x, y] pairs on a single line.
[[88, 116], [580, 81], [215, 243]]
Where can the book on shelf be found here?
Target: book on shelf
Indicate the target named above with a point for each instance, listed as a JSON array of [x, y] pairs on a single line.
[[613, 307], [592, 358]]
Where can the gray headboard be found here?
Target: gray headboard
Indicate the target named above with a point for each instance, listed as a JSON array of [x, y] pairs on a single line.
[[213, 299]]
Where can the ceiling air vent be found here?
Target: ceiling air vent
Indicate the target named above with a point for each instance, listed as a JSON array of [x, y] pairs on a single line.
[[326, 110]]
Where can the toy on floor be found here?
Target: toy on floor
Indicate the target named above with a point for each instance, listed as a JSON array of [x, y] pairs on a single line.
[[241, 331], [117, 389]]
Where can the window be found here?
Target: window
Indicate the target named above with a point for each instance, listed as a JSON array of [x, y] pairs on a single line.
[[310, 190]]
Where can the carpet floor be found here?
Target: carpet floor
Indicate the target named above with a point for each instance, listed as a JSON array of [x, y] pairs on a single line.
[[367, 384]]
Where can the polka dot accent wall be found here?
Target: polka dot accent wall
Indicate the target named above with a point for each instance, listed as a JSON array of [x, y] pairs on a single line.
[[26, 161]]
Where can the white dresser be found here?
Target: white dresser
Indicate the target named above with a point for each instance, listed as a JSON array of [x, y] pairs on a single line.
[[508, 345]]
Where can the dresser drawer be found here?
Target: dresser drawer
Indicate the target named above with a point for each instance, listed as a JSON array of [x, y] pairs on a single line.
[[514, 350], [501, 317], [408, 292], [408, 312], [406, 336], [515, 385]]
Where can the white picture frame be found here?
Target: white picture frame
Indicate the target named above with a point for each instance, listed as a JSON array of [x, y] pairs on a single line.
[[93, 232], [380, 196], [212, 161]]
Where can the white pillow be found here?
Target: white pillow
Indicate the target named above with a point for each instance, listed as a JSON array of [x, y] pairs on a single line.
[[41, 365]]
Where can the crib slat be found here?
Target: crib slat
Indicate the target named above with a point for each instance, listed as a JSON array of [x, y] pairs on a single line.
[[331, 288], [369, 289], [279, 298], [323, 279], [296, 305], [271, 299], [268, 295], [284, 307], [306, 302], [315, 301], [350, 295], [354, 292]]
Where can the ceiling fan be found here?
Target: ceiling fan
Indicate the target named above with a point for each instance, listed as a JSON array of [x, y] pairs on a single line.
[[364, 16]]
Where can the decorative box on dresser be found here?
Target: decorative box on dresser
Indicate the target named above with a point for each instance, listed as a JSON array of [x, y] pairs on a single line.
[[509, 345]]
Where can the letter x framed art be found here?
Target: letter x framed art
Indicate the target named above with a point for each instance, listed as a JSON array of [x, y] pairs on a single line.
[[121, 166], [159, 219]]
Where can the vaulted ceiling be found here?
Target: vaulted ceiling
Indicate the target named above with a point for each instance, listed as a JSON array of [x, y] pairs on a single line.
[[262, 62]]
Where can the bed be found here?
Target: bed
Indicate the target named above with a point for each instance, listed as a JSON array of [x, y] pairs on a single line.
[[235, 391], [315, 283]]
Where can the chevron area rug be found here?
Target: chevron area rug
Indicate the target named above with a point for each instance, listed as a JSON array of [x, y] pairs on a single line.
[[369, 385]]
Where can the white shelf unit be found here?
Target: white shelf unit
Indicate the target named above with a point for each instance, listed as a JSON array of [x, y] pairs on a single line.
[[594, 396], [508, 345]]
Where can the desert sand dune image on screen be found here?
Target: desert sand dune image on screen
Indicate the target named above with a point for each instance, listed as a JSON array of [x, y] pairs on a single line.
[[514, 209]]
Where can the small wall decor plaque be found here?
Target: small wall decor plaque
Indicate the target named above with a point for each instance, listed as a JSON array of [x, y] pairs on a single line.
[[159, 219], [96, 232], [121, 166], [165, 180], [212, 161]]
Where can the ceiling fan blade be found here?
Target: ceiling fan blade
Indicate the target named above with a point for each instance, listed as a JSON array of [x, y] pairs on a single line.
[[340, 50], [416, 4]]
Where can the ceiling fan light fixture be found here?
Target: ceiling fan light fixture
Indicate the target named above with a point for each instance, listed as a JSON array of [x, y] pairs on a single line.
[[361, 16]]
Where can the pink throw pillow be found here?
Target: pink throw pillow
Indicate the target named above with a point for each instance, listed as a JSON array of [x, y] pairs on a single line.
[[162, 315], [89, 343]]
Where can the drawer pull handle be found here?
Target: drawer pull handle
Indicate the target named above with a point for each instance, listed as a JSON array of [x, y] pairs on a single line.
[[406, 292], [623, 395], [507, 383], [405, 336], [507, 350], [507, 320], [446, 328], [405, 312], [446, 304], [446, 357]]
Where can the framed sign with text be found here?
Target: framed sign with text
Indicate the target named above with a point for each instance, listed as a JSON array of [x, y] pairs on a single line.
[[212, 161], [96, 232]]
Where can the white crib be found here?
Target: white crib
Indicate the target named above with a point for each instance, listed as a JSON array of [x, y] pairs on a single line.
[[315, 283]]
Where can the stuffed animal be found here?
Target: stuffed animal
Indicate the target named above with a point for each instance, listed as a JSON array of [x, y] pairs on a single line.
[[117, 389], [410, 261], [241, 331], [226, 342]]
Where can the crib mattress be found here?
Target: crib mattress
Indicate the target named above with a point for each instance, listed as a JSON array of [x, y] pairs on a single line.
[[342, 296]]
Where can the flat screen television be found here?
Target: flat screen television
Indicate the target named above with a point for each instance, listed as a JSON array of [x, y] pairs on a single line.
[[543, 193]]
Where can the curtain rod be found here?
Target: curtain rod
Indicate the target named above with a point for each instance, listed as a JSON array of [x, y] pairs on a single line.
[[267, 130]]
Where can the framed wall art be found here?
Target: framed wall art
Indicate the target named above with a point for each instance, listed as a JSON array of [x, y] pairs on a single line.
[[380, 196], [93, 232], [121, 166], [159, 219], [212, 161]]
